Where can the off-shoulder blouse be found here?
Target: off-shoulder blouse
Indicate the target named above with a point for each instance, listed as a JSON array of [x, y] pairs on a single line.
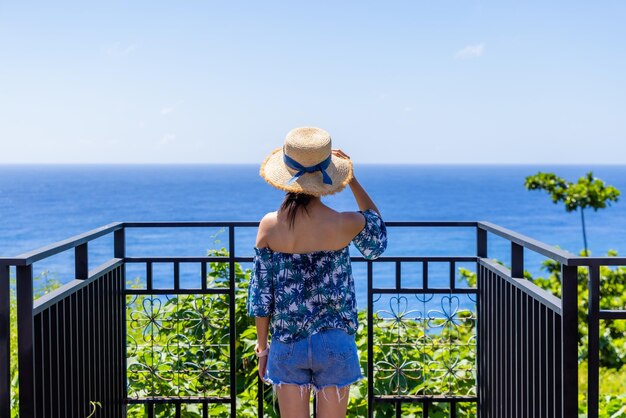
[[307, 292]]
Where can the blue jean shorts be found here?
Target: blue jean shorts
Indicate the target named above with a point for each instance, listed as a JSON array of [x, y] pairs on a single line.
[[326, 358]]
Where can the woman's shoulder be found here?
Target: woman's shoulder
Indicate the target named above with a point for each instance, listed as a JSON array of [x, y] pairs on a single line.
[[266, 225], [352, 222], [360, 221], [268, 220]]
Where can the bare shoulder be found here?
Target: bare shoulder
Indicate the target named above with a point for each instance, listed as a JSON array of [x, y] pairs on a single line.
[[266, 225], [268, 220], [352, 222]]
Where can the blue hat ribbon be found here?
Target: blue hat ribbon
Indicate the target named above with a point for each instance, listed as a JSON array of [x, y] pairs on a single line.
[[293, 164]]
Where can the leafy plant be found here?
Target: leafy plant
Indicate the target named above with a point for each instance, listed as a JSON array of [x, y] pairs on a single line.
[[94, 407], [201, 321], [179, 345], [612, 393], [588, 192], [43, 284], [612, 332]]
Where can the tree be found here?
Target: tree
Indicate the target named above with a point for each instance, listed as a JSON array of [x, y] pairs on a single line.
[[588, 192]]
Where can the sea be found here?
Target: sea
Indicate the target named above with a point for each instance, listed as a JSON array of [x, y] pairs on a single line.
[[43, 204]]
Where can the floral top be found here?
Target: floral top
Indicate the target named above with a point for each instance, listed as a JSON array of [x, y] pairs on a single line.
[[308, 292]]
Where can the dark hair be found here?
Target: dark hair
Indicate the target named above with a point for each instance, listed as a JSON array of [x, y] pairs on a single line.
[[293, 203]]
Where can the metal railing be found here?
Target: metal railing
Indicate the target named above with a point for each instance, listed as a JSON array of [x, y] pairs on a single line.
[[528, 344], [427, 316], [71, 340], [72, 343]]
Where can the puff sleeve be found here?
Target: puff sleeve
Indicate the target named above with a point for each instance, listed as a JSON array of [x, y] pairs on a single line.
[[261, 288], [372, 240]]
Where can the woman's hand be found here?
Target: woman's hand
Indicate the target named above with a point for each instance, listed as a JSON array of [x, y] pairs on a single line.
[[262, 366], [339, 153]]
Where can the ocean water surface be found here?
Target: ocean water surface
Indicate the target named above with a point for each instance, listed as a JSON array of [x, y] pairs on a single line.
[[42, 204]]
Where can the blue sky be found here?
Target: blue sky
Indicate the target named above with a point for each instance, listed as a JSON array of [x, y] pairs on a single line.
[[393, 82]]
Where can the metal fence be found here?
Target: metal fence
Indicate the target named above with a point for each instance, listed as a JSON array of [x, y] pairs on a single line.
[[594, 316], [418, 332], [529, 338], [76, 344]]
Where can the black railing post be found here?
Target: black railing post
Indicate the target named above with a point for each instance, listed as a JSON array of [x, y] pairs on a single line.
[[25, 340], [119, 251], [261, 394], [569, 327], [481, 252], [370, 342], [517, 272], [119, 243], [481, 242], [233, 322], [5, 341], [517, 261], [81, 262], [593, 323]]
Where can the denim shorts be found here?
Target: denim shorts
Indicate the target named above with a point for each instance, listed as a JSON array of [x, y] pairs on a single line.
[[326, 358]]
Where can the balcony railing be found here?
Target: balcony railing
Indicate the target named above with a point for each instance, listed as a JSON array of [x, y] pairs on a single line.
[[500, 348]]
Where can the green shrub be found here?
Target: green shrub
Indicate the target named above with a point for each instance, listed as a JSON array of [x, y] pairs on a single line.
[[184, 340], [198, 324], [43, 284]]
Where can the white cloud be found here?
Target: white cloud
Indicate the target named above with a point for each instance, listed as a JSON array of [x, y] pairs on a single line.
[[167, 139], [120, 50], [471, 51], [166, 110], [130, 49]]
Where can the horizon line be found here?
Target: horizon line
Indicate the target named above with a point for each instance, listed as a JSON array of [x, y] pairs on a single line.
[[258, 164]]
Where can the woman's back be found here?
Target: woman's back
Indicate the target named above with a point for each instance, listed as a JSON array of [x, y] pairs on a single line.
[[315, 228], [305, 289]]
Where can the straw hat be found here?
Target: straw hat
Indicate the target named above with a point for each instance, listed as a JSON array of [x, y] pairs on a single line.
[[305, 164]]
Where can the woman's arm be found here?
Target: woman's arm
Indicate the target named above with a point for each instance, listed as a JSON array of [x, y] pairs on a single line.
[[362, 198], [262, 322], [262, 325]]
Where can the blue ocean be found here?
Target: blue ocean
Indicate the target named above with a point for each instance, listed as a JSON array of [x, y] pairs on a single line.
[[41, 204]]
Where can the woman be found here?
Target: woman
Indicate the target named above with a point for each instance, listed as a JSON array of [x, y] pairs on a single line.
[[302, 289]]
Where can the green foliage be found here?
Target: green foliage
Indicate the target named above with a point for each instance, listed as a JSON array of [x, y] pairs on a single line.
[[184, 342], [409, 362], [613, 297], [407, 359], [43, 284], [612, 332], [210, 330], [612, 393], [588, 192], [94, 407]]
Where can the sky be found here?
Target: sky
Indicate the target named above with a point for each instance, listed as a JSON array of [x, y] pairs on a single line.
[[394, 82]]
